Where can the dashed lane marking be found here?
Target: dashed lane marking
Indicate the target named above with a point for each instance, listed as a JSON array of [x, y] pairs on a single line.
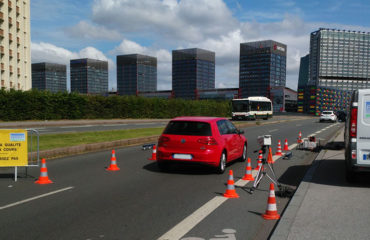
[[34, 198]]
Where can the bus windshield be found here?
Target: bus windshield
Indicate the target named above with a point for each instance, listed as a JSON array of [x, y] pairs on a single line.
[[240, 106]]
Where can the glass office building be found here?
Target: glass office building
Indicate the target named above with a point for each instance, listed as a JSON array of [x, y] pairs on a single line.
[[89, 76], [339, 63], [49, 76], [192, 70], [136, 73], [262, 66], [304, 71], [340, 59]]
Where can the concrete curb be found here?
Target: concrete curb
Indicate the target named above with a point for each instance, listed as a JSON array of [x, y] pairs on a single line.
[[282, 230]]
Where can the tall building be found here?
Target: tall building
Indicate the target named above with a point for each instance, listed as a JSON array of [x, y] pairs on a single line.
[[89, 76], [340, 59], [262, 66], [136, 73], [192, 70], [339, 63], [15, 62], [303, 71], [49, 76]]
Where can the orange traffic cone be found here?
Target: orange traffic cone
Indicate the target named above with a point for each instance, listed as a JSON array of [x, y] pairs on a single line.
[[230, 191], [43, 179], [299, 137], [259, 161], [271, 211], [278, 151], [269, 157], [248, 172], [286, 148], [154, 154], [113, 163]]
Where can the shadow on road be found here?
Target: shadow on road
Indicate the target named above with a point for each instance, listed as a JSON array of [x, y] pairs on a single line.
[[180, 168]]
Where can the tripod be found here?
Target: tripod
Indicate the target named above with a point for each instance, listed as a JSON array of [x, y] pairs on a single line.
[[262, 171]]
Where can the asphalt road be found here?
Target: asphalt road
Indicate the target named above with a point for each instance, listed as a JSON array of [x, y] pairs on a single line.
[[140, 202]]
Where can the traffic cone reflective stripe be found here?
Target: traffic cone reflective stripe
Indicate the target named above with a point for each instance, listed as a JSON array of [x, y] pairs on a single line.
[[154, 154], [230, 191], [259, 161], [43, 179], [113, 163], [286, 148], [271, 211], [269, 157], [248, 172], [299, 137], [278, 152]]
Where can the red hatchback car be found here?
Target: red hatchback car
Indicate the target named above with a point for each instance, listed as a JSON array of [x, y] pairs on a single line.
[[212, 141]]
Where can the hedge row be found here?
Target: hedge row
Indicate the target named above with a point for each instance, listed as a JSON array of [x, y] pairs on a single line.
[[44, 105]]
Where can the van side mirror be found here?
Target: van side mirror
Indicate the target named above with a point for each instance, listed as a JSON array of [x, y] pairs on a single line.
[[240, 132]]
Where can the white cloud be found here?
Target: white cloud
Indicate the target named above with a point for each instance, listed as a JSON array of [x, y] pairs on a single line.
[[188, 21], [85, 30]]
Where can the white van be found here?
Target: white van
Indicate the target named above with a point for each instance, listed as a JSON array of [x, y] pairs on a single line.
[[357, 134]]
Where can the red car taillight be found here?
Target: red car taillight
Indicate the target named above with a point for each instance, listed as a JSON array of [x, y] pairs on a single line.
[[207, 141], [162, 140], [353, 123]]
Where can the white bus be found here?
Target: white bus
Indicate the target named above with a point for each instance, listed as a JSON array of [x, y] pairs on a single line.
[[251, 108]]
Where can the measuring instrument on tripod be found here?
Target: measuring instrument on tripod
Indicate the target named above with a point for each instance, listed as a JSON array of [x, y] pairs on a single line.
[[265, 144]]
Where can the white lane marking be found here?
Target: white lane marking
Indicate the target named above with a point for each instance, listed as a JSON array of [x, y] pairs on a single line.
[[34, 198], [83, 126], [273, 130], [192, 220]]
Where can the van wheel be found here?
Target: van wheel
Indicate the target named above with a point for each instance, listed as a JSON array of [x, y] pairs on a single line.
[[244, 155], [222, 164]]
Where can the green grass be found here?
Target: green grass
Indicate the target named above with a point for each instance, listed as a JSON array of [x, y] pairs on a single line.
[[51, 141]]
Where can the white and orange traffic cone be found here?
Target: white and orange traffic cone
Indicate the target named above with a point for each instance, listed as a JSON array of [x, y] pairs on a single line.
[[271, 211], [286, 147], [248, 172], [299, 137], [269, 157], [278, 151], [154, 154], [230, 191], [113, 162], [259, 161], [43, 179]]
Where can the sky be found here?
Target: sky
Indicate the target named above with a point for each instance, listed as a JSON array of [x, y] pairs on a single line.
[[102, 29]]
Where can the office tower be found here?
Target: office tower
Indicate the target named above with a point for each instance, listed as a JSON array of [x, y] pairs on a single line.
[[339, 64], [49, 76], [89, 76], [262, 66], [192, 70], [136, 73], [15, 62], [340, 59], [303, 71]]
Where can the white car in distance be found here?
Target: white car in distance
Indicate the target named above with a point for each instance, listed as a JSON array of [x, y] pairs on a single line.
[[328, 116]]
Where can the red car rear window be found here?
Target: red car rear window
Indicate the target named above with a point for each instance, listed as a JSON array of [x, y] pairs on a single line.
[[188, 128]]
